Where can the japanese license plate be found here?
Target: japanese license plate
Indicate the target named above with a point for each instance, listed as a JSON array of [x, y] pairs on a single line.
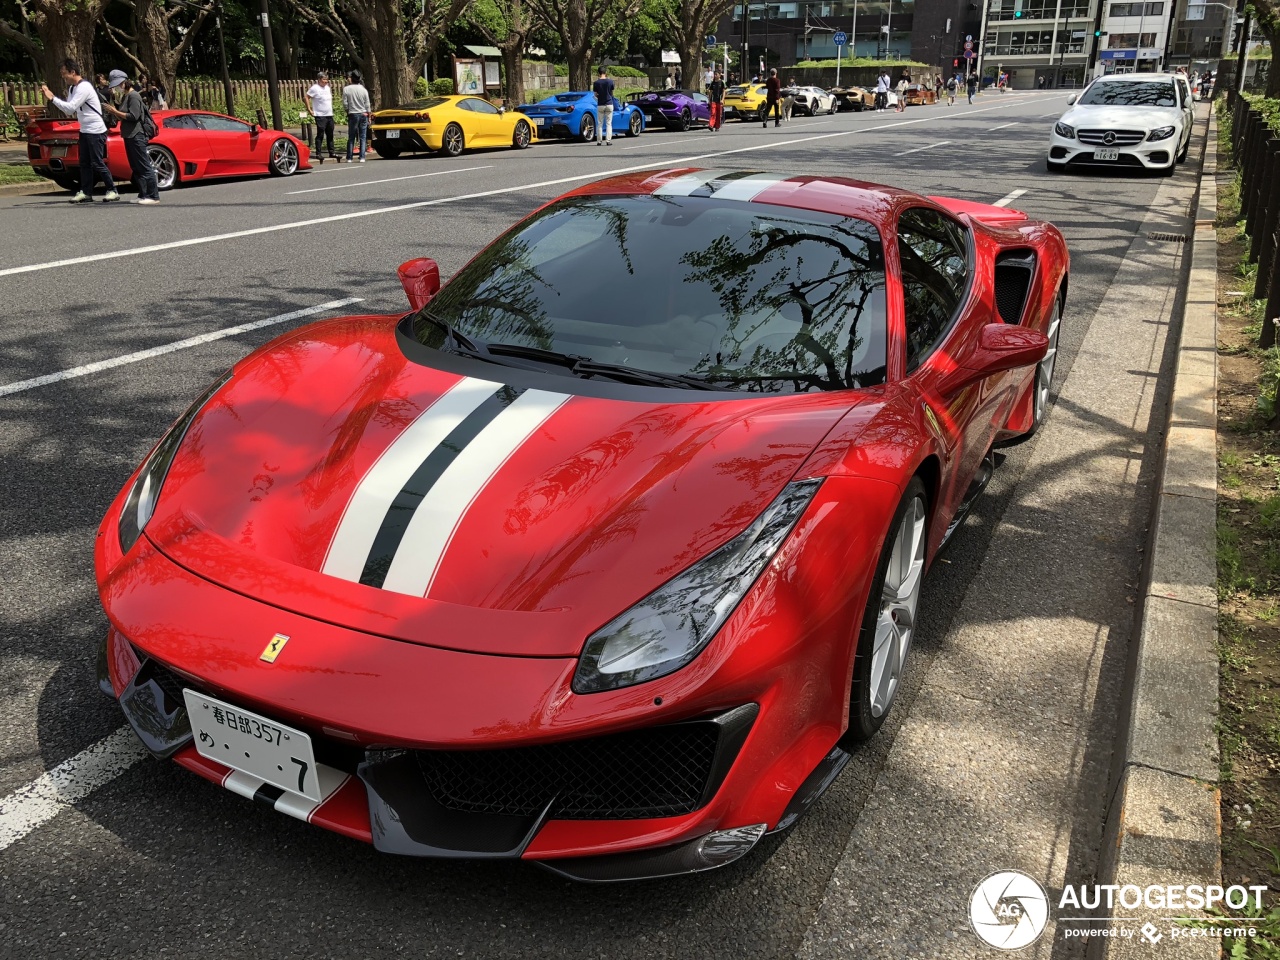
[[392, 134], [1106, 154], [57, 151], [252, 744]]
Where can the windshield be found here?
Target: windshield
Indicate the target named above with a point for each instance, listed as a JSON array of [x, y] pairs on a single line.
[[569, 97], [737, 295], [1131, 93], [422, 104]]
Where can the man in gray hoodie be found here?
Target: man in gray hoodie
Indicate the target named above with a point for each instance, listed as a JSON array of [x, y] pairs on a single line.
[[355, 98]]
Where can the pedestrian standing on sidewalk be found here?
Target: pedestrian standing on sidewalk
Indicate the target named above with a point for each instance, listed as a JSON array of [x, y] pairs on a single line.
[[715, 94], [134, 121], [882, 91], [603, 89], [356, 100], [952, 84], [773, 98], [319, 102], [903, 82], [972, 85], [82, 100]]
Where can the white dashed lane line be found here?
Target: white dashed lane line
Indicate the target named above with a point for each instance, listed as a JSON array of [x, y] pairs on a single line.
[[1008, 198], [88, 368], [34, 805], [370, 183], [930, 146]]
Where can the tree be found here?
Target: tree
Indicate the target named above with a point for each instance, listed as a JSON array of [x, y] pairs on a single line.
[[1267, 14], [156, 53], [688, 23], [64, 28], [506, 24], [581, 24]]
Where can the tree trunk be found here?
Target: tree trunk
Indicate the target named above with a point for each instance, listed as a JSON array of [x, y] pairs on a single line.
[[387, 73], [513, 64], [691, 66], [578, 45], [66, 33], [1267, 13]]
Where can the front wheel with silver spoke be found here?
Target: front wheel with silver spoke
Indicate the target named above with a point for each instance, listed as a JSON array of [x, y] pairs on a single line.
[[284, 158], [889, 620]]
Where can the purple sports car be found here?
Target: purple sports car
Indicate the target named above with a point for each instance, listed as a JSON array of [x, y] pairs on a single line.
[[674, 109]]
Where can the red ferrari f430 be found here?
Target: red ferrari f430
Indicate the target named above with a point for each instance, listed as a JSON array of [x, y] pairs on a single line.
[[605, 553]]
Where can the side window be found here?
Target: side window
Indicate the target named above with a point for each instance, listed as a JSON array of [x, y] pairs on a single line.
[[182, 122], [465, 105], [222, 124], [481, 106], [934, 251]]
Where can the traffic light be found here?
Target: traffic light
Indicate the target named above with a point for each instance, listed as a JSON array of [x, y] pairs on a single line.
[[1017, 14], [955, 63], [1097, 33]]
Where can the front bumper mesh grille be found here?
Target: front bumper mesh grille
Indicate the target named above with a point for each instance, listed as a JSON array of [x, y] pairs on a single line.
[[655, 772], [1121, 138]]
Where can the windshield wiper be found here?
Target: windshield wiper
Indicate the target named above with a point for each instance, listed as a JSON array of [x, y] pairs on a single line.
[[452, 333], [620, 371]]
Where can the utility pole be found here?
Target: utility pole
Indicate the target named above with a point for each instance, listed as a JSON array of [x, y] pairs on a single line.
[[273, 80], [982, 42], [222, 56], [853, 34], [745, 64]]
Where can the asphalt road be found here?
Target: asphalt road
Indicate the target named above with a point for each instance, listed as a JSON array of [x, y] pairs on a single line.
[[157, 862]]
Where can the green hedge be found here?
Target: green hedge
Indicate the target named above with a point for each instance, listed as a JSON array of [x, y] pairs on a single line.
[[562, 70], [442, 87], [859, 62]]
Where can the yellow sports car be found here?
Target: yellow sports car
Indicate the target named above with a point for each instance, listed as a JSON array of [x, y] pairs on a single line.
[[447, 125], [746, 101]]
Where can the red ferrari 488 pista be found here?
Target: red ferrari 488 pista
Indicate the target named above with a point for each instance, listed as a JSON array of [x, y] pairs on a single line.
[[603, 554]]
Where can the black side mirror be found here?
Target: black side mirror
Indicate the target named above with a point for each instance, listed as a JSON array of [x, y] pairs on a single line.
[[254, 130]]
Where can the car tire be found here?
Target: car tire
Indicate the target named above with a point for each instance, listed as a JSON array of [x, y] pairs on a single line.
[[587, 132], [686, 121], [386, 151], [634, 124], [453, 142], [165, 165], [65, 182], [1186, 148], [522, 136], [1045, 370], [1169, 170], [284, 158], [892, 605], [1053, 167], [762, 112]]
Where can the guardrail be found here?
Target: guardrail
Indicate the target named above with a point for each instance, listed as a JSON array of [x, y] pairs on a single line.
[[1255, 152]]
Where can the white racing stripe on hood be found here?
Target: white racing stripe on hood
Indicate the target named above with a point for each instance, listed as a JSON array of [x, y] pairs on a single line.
[[748, 188], [433, 525], [686, 183], [353, 540]]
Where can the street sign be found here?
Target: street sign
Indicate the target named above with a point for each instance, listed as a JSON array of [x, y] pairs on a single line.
[[969, 54], [968, 44], [840, 38], [968, 38], [711, 40]]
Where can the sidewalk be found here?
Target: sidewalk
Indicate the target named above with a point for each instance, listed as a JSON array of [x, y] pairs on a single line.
[[1005, 761]]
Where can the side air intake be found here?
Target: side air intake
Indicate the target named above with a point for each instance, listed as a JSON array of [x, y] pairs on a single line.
[[1014, 269]]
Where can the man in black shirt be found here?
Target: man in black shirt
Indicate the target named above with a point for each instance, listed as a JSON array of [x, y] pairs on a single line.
[[131, 114], [603, 89], [715, 94], [773, 98]]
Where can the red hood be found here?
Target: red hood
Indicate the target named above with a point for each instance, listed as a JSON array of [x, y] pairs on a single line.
[[594, 505]]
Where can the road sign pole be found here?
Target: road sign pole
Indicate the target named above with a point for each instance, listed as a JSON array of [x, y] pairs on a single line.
[[839, 57]]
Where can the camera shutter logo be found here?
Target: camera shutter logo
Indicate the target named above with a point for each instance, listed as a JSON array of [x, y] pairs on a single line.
[[1009, 910]]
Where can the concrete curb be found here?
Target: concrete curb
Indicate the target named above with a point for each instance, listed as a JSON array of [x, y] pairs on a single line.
[[1164, 824], [30, 189]]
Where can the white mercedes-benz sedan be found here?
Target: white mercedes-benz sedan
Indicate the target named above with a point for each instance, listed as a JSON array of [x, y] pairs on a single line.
[[1134, 120]]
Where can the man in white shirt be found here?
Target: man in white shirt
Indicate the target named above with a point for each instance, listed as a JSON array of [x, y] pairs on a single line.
[[882, 90], [320, 106], [82, 100]]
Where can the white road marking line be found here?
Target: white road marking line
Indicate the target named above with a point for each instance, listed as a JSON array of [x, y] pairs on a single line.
[[34, 805], [677, 143], [1003, 125], [370, 183], [918, 149], [83, 371], [398, 208], [1006, 200]]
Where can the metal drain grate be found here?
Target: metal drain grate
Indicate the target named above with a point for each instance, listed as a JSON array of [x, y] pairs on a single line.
[[1169, 237]]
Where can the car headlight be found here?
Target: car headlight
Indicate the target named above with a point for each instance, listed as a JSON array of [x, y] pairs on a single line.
[[1064, 130], [672, 625], [1161, 133], [141, 502]]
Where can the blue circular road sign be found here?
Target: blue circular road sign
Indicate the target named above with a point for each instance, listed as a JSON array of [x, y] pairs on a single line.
[[711, 40], [841, 39]]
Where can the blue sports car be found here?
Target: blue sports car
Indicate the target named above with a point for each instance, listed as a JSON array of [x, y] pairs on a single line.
[[674, 109], [574, 115]]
